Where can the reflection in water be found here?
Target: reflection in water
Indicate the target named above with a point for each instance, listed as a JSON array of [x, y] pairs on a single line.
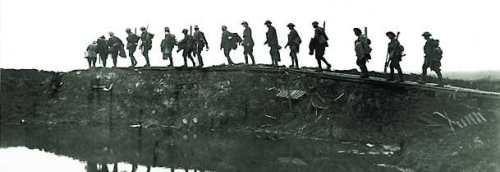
[[103, 149]]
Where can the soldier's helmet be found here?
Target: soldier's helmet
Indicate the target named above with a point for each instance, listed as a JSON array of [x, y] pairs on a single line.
[[244, 23], [111, 33], [268, 22], [224, 27], [426, 34], [167, 29], [290, 25], [315, 23], [184, 31], [196, 27], [143, 28], [128, 30], [357, 30], [390, 34], [102, 37]]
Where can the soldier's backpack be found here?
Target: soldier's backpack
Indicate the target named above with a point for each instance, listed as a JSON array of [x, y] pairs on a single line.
[[235, 40]]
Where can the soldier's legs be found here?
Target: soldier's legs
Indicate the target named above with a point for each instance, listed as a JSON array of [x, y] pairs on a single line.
[[227, 52], [397, 66], [171, 60], [361, 62], [250, 53], [200, 58], [131, 52], [320, 52], [191, 58], [145, 53], [104, 57], [94, 60], [114, 57], [89, 61], [425, 66]]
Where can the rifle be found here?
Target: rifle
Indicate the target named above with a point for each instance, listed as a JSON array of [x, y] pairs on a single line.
[[387, 58]]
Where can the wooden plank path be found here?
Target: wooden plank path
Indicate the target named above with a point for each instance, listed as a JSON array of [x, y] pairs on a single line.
[[334, 76]]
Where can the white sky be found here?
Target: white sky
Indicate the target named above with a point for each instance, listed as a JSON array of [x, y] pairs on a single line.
[[53, 34]]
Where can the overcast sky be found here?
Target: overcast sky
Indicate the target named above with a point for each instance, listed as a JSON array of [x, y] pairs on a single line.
[[53, 34]]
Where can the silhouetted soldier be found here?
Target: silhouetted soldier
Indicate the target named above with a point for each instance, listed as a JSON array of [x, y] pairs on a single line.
[[294, 44], [102, 49], [363, 50], [115, 44], [92, 54], [318, 45], [167, 45], [187, 45], [272, 42], [395, 51], [247, 43], [199, 43], [146, 44], [132, 42], [227, 44], [433, 55]]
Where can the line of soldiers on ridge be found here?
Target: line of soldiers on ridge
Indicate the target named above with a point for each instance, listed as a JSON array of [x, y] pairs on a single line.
[[193, 45]]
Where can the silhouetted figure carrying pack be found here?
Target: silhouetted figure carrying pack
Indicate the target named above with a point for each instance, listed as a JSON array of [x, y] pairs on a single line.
[[200, 42], [363, 50], [132, 42], [294, 42], [395, 55], [187, 47], [102, 49], [227, 43], [432, 58], [318, 45], [115, 48], [146, 44], [247, 43], [91, 54], [167, 45], [272, 42]]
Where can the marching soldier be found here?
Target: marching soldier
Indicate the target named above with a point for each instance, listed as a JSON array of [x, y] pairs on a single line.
[[363, 50], [318, 45], [294, 44], [102, 49], [433, 55], [199, 43], [187, 46], [272, 42], [247, 43], [92, 54], [132, 41], [395, 51], [146, 44], [115, 45], [167, 45], [227, 44]]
